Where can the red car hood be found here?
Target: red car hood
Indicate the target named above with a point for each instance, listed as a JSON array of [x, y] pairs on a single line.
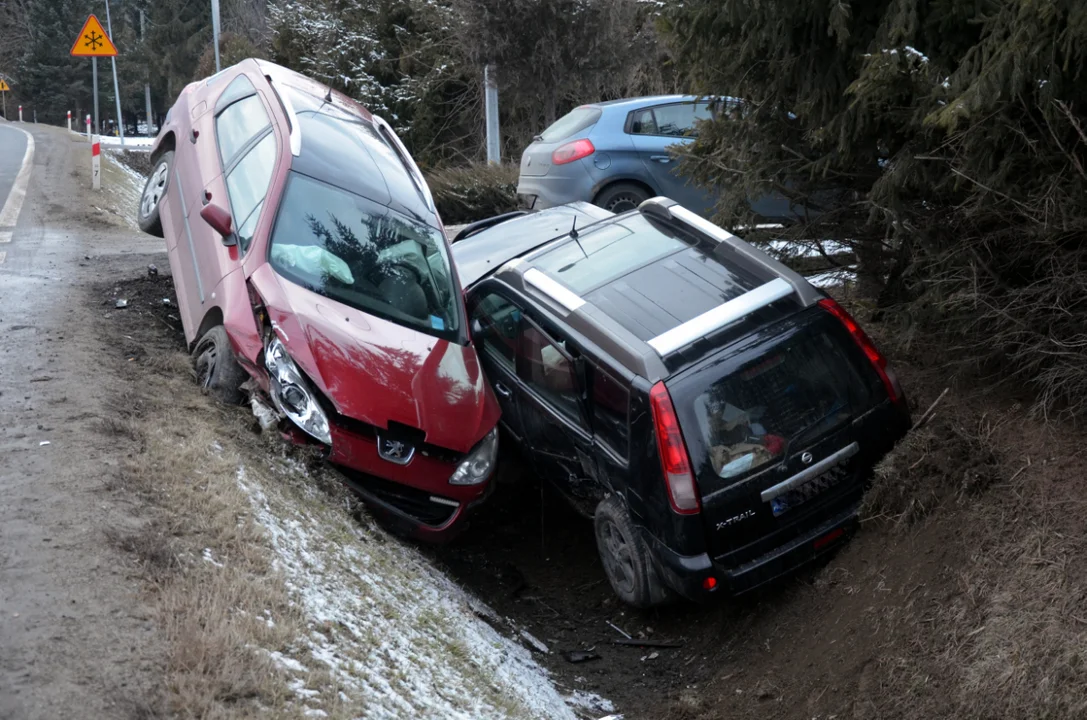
[[377, 371]]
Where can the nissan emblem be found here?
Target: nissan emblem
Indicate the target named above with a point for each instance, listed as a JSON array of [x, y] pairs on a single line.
[[806, 458]]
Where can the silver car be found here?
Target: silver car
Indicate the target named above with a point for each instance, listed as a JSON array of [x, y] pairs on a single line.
[[615, 155]]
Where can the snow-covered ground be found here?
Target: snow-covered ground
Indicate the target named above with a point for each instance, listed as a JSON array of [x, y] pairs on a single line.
[[397, 637], [131, 143]]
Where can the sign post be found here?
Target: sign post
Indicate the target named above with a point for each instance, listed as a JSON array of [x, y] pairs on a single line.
[[116, 90], [4, 94], [96, 163], [93, 42]]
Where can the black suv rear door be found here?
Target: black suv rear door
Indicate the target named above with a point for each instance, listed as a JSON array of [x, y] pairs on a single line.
[[783, 404], [552, 412]]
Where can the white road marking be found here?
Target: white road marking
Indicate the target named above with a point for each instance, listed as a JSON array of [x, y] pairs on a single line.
[[5, 237], [14, 203]]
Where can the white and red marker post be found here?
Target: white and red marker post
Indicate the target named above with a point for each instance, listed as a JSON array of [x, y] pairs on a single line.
[[69, 121], [96, 163], [20, 113], [88, 127]]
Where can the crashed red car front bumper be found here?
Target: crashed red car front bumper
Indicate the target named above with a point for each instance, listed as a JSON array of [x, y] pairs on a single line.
[[417, 497]]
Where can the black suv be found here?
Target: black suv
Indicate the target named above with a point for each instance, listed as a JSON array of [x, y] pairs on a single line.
[[714, 413]]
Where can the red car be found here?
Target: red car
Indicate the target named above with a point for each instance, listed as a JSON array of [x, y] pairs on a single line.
[[307, 254]]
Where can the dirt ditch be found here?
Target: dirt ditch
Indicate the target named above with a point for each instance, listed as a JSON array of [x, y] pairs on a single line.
[[961, 595]]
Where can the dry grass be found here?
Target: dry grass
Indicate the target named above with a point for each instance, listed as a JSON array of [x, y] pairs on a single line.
[[277, 593], [207, 564], [1007, 636]]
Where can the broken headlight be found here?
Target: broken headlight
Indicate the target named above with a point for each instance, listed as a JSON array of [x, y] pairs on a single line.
[[292, 394], [479, 464]]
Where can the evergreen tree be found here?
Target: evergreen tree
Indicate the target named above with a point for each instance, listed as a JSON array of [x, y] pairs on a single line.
[[50, 81], [953, 134]]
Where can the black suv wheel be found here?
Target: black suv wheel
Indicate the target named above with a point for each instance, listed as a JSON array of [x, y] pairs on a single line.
[[625, 556]]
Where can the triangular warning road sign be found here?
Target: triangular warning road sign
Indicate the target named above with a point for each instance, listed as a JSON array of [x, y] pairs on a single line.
[[4, 86], [93, 41]]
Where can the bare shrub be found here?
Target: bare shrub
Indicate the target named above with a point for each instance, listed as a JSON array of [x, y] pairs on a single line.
[[474, 192]]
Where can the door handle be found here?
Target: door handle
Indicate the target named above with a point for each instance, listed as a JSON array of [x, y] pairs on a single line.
[[661, 158], [502, 390]]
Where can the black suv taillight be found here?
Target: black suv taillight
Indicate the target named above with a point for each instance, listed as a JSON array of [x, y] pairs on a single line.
[[675, 463], [878, 359]]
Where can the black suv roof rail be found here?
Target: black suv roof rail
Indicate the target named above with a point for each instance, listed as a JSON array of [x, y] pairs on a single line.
[[781, 283]]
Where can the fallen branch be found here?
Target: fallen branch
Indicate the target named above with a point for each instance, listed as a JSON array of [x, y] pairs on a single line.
[[927, 415], [635, 642]]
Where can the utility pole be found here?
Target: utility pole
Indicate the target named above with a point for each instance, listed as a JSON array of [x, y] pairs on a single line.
[[215, 31], [490, 98], [146, 85], [116, 89]]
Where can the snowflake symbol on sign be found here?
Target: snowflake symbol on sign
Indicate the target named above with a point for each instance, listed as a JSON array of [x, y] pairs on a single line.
[[93, 40]]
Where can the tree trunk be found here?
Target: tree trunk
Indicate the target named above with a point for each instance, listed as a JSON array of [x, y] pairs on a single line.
[[869, 268]]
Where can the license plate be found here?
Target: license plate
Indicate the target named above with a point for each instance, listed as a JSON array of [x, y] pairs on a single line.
[[799, 495]]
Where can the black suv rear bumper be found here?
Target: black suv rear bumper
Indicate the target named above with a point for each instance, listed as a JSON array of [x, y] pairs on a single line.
[[687, 574]]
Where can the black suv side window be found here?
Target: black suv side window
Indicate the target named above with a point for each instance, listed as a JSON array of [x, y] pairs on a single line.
[[501, 324], [611, 403], [546, 367]]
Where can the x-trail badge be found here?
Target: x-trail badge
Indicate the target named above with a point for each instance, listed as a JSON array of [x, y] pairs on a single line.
[[394, 451]]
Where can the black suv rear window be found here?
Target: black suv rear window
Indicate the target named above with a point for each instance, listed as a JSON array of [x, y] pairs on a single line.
[[803, 387]]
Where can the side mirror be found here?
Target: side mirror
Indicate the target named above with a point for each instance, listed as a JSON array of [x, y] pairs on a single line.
[[221, 222]]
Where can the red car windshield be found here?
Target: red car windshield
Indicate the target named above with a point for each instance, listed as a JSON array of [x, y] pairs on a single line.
[[365, 255]]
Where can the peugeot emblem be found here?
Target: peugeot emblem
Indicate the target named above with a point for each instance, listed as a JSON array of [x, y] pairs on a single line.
[[806, 458], [394, 451]]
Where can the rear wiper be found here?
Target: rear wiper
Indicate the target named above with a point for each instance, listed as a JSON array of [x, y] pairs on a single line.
[[537, 138]]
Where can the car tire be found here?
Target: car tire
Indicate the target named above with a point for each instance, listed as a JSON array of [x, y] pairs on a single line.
[[621, 197], [217, 372], [625, 557], [154, 192]]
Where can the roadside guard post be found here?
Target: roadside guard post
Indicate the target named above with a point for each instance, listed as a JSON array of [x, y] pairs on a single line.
[[93, 42], [20, 113], [88, 127], [69, 121], [96, 163]]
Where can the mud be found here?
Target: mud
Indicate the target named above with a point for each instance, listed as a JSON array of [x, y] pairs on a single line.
[[75, 638]]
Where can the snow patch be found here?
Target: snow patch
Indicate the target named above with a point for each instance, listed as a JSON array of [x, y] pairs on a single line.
[[287, 663], [590, 702], [834, 278], [131, 143], [808, 248], [399, 638]]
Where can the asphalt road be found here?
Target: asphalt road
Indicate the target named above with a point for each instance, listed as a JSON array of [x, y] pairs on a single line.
[[76, 640], [12, 147]]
